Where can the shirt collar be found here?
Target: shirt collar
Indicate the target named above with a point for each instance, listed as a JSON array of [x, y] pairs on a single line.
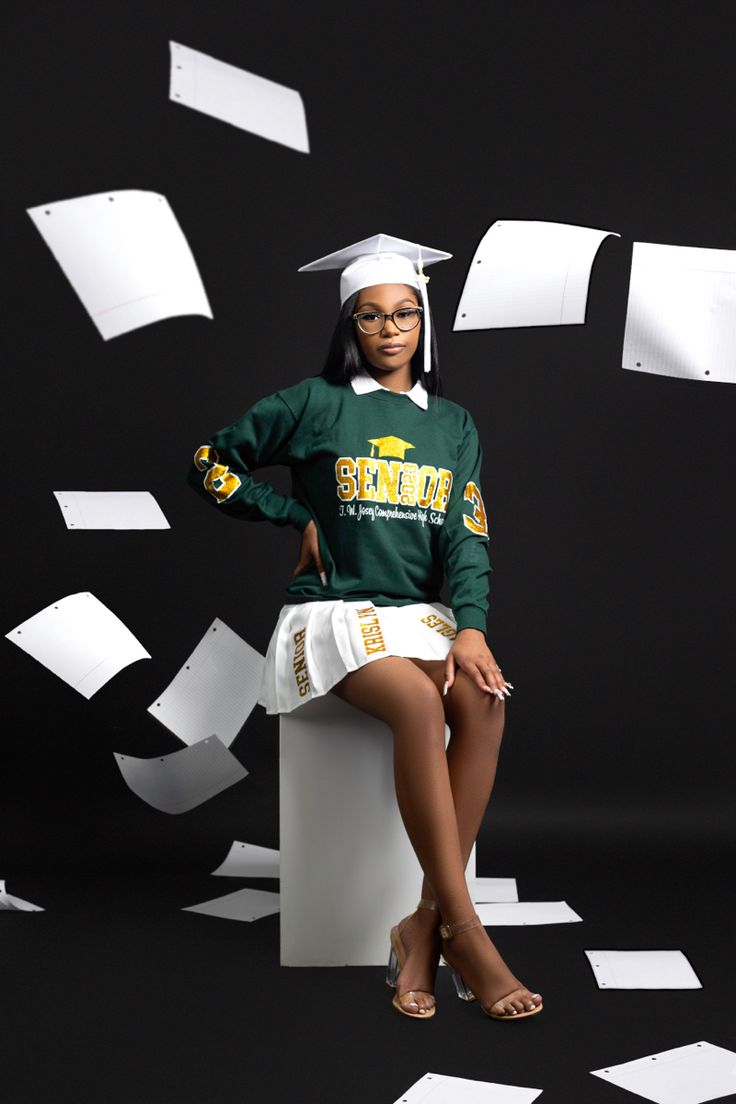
[[364, 382]]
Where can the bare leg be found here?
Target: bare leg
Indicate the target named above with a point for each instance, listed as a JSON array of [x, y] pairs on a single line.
[[476, 723], [396, 691]]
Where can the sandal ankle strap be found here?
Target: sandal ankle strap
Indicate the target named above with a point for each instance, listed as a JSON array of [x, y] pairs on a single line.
[[447, 931], [426, 903]]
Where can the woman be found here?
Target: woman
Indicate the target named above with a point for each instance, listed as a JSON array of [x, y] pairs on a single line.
[[379, 530]]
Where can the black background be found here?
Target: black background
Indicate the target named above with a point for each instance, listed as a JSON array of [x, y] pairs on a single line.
[[610, 498]]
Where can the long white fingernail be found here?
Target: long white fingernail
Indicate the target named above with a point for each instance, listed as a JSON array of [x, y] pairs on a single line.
[[444, 689], [323, 577]]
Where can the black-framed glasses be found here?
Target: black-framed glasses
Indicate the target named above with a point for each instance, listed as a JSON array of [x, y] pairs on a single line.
[[405, 318]]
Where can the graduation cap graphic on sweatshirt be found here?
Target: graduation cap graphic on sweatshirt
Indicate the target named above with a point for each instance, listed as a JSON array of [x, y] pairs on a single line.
[[389, 446]]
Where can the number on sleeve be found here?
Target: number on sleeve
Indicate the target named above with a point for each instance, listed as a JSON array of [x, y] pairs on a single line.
[[218, 479], [477, 522]]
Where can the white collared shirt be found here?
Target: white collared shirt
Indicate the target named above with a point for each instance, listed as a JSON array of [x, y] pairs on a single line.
[[364, 382]]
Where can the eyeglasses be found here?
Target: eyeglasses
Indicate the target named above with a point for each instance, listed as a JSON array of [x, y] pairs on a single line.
[[405, 318]]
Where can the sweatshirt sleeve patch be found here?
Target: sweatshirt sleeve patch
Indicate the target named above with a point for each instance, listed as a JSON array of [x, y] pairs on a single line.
[[477, 521], [218, 479]]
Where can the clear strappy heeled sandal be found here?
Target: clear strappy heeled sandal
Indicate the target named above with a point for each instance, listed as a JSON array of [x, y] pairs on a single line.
[[396, 961], [448, 931]]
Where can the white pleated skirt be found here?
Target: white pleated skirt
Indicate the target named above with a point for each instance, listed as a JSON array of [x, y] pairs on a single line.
[[315, 644]]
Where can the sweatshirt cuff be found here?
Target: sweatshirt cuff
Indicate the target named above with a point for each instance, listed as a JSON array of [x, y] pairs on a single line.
[[470, 617], [299, 516]]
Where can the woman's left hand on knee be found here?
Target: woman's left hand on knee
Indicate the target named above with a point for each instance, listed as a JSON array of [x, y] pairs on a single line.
[[471, 654]]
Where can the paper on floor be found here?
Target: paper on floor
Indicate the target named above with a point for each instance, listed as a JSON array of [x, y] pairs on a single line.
[[441, 1088], [236, 96], [248, 860], [528, 273], [177, 782], [216, 689], [681, 312], [642, 970], [244, 904], [15, 904], [126, 257], [526, 912], [493, 889], [80, 640], [688, 1074], [110, 510]]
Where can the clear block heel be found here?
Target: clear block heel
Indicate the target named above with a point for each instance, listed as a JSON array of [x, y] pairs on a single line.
[[396, 960], [393, 969], [462, 990]]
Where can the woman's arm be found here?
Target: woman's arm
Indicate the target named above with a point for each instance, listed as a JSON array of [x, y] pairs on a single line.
[[463, 538], [464, 547], [221, 468]]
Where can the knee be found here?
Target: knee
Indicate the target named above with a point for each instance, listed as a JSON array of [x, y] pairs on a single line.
[[422, 703], [467, 690], [425, 696], [467, 701]]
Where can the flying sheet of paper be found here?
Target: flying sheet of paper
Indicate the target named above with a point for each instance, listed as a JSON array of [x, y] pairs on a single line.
[[248, 860], [126, 257], [642, 970], [527, 912], [441, 1088], [493, 889], [110, 510], [688, 1074], [236, 96], [15, 904], [216, 689], [681, 312], [526, 273], [177, 782], [244, 904], [80, 640]]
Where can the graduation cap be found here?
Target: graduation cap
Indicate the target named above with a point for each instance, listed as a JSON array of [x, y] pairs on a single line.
[[383, 259], [390, 446]]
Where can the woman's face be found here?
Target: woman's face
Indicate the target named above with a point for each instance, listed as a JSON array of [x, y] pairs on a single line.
[[391, 348]]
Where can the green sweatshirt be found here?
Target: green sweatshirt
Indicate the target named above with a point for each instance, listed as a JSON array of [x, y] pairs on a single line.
[[393, 489]]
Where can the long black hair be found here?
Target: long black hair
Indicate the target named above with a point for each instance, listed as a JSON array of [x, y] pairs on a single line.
[[345, 358]]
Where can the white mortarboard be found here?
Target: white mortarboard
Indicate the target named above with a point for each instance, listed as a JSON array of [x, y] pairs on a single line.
[[383, 260]]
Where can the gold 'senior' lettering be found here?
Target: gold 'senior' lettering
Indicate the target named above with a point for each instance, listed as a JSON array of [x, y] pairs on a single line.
[[218, 479], [398, 482], [299, 663]]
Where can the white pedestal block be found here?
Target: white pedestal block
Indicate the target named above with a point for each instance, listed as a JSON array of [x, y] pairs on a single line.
[[348, 870]]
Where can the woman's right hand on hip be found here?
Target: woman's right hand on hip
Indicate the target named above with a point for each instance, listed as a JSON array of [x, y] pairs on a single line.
[[310, 551]]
